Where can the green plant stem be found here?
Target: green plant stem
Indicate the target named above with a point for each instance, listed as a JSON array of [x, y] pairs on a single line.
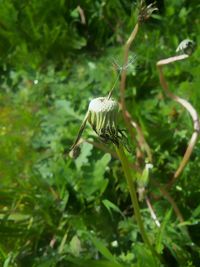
[[132, 191]]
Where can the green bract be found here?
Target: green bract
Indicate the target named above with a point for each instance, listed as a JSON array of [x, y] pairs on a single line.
[[102, 116]]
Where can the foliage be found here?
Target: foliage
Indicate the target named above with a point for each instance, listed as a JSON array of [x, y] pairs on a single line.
[[60, 211]]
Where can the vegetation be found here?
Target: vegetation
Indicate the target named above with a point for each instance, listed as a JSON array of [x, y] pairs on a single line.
[[74, 209]]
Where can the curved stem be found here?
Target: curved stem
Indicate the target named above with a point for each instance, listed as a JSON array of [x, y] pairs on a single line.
[[193, 113], [130, 124], [123, 74], [152, 212], [80, 132], [132, 191]]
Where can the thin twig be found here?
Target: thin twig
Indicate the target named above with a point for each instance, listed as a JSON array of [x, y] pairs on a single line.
[[82, 127], [125, 62], [143, 146], [193, 113], [176, 209], [129, 122], [82, 15], [170, 199], [152, 212], [141, 140], [101, 147]]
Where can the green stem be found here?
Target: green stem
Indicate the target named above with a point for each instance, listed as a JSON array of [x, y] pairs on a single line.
[[132, 190]]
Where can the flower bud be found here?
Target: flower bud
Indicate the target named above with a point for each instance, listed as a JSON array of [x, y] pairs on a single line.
[[187, 47], [102, 116], [145, 11]]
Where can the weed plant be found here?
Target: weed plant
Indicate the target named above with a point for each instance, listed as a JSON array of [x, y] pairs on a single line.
[[62, 210]]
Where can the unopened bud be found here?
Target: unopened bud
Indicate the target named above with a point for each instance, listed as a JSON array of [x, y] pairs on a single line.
[[102, 116], [187, 47], [145, 11]]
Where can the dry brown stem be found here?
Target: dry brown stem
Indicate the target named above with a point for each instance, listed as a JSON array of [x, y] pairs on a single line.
[[142, 144], [82, 15], [184, 103], [170, 199], [152, 212], [125, 62]]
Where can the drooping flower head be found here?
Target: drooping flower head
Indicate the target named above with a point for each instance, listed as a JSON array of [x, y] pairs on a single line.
[[102, 115], [187, 47], [145, 11]]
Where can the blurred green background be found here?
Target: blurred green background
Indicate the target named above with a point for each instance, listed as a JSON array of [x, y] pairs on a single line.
[[55, 56]]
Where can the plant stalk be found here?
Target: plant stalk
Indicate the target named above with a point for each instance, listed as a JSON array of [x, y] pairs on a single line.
[[132, 191], [184, 103]]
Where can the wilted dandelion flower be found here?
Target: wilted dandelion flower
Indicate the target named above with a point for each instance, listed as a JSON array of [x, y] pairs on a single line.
[[145, 11], [102, 115]]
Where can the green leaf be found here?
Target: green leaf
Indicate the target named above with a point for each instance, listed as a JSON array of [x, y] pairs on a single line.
[[103, 249], [101, 166], [95, 263], [111, 206], [75, 246], [8, 260], [145, 257], [161, 233], [196, 212], [143, 179], [86, 150]]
